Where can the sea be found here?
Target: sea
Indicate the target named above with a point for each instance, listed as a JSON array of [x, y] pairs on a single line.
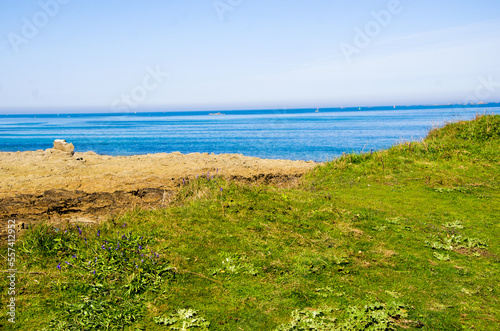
[[296, 134]]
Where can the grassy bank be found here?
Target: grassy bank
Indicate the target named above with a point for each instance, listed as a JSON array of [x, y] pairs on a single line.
[[400, 238]]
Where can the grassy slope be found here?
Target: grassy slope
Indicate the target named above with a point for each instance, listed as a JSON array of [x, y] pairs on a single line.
[[405, 237]]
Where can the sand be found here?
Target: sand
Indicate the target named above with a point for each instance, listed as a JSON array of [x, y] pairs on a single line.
[[52, 184], [38, 171]]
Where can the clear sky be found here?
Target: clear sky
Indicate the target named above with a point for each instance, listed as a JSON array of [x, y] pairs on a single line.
[[113, 55]]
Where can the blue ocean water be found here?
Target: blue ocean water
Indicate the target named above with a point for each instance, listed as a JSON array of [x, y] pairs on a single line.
[[300, 134]]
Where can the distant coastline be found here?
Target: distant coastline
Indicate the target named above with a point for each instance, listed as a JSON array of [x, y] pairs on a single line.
[[4, 112]]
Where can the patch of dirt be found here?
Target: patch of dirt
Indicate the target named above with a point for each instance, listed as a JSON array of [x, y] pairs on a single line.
[[387, 252], [357, 232], [58, 205], [468, 251], [40, 171], [55, 185]]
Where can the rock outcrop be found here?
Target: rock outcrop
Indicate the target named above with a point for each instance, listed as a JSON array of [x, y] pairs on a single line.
[[62, 145], [76, 206], [56, 185]]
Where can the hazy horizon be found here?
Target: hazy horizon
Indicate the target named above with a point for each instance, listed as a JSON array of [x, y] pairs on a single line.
[[63, 110]]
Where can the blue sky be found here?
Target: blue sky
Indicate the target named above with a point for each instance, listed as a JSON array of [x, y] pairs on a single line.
[[116, 55]]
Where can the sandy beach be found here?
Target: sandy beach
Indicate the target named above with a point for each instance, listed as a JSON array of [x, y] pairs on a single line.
[[56, 185]]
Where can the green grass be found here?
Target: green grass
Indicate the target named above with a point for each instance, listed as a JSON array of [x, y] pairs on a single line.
[[402, 238]]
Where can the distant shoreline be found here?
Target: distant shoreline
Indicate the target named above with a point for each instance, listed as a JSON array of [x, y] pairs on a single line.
[[5, 112]]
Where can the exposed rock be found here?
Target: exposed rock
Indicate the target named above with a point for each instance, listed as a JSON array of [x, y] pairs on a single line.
[[54, 185], [77, 206], [62, 145], [56, 153], [37, 172]]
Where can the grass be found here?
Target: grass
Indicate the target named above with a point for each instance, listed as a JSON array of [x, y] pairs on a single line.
[[403, 238]]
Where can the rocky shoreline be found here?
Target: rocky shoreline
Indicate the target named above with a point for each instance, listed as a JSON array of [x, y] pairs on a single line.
[[57, 184]]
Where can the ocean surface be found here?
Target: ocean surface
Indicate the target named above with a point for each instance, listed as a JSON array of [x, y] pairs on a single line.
[[299, 134]]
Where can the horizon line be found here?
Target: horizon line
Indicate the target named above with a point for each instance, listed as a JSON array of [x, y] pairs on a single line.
[[26, 111]]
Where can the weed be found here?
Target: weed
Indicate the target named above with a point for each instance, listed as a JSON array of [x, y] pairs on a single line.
[[453, 189], [441, 257], [375, 316], [455, 242], [454, 225], [115, 269], [183, 319], [233, 264]]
